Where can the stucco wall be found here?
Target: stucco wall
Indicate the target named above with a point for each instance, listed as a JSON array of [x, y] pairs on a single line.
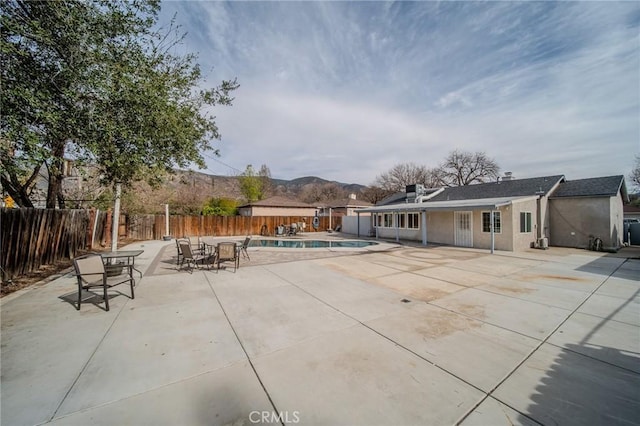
[[502, 240], [350, 225], [523, 240], [441, 228], [544, 221], [573, 220], [617, 219]]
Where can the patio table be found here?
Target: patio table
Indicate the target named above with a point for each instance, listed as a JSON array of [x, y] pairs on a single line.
[[130, 255]]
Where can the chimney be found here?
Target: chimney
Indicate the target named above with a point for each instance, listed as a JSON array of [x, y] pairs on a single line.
[[508, 176]]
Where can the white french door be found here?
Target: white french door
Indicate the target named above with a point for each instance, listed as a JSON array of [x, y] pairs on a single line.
[[463, 229]]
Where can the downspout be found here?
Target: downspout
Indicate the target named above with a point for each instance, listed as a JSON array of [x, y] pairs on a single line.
[[539, 219], [395, 218]]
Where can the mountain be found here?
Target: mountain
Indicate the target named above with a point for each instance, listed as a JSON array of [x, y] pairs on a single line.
[[229, 186], [297, 185]]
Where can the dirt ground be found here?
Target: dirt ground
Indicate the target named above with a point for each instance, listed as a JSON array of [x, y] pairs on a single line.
[[45, 274]]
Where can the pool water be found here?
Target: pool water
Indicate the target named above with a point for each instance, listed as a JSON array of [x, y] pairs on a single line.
[[310, 244]]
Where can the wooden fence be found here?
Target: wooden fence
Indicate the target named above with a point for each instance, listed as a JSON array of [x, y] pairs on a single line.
[[30, 238], [152, 227]]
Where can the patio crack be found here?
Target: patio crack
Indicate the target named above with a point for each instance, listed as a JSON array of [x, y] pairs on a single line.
[[86, 364], [264, 388]]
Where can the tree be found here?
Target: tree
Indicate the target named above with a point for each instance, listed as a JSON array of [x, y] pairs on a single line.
[[251, 184], [220, 207], [322, 192], [635, 173], [374, 194], [465, 168], [401, 175], [94, 80], [265, 178]]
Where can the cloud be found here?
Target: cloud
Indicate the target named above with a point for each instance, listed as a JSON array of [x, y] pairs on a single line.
[[346, 90]]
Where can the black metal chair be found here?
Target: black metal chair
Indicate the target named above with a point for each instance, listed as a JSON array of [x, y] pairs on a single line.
[[178, 241], [190, 257], [243, 247], [91, 272]]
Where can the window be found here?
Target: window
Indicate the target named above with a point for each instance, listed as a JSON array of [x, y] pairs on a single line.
[[377, 220], [486, 222], [388, 220], [413, 220], [525, 222], [401, 220]]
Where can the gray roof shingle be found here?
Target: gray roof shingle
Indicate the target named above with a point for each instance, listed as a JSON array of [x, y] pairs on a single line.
[[607, 186], [508, 188], [501, 189]]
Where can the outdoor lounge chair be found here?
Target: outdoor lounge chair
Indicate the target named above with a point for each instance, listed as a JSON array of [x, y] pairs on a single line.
[[243, 248], [91, 272], [228, 252], [191, 257]]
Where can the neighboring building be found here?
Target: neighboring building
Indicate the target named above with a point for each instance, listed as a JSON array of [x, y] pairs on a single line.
[[277, 206], [520, 210], [631, 212], [344, 207]]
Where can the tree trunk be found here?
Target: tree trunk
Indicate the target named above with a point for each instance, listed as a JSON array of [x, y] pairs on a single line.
[[17, 192], [115, 223], [56, 175]]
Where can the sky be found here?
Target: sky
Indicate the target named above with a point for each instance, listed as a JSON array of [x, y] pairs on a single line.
[[346, 90]]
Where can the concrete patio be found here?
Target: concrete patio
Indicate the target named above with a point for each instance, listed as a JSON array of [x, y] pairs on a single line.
[[393, 335]]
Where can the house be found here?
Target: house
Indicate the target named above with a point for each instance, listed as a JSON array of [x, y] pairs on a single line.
[[631, 212], [344, 207], [509, 214], [277, 206]]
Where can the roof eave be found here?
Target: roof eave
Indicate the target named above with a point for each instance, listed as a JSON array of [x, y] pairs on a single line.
[[457, 205]]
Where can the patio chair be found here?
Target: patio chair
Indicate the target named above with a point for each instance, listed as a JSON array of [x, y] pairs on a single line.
[[190, 257], [178, 241], [196, 247], [243, 247], [91, 272], [228, 252]]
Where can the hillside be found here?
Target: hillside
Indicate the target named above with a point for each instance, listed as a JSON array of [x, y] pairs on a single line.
[[188, 190]]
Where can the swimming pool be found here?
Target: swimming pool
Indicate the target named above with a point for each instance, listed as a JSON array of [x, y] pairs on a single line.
[[311, 243]]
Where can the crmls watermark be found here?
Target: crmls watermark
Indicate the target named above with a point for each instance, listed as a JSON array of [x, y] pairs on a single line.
[[274, 417]]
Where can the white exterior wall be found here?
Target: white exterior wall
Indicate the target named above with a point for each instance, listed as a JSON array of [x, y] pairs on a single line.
[[350, 225], [523, 240], [441, 228], [502, 240], [617, 222]]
